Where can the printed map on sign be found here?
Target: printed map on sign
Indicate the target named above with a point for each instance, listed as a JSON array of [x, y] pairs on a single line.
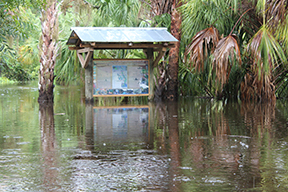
[[120, 77]]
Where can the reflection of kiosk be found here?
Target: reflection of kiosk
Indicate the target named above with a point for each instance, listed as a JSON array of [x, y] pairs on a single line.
[[121, 124], [87, 39], [118, 125]]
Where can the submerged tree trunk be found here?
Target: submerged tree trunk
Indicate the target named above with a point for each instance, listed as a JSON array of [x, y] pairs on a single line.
[[172, 87], [48, 49]]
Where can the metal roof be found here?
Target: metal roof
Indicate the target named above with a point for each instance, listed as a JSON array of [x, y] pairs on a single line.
[[120, 35]]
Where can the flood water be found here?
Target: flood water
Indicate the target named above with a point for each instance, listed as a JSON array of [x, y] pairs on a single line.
[[189, 145]]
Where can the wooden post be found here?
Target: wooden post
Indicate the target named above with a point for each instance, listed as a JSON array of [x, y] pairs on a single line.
[[89, 79], [150, 57]]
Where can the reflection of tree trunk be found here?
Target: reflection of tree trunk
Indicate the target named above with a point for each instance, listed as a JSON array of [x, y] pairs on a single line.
[[160, 117], [172, 123], [258, 117], [89, 126], [48, 143]]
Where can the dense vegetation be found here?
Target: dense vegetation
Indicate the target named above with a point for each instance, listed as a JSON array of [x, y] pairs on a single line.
[[228, 49]]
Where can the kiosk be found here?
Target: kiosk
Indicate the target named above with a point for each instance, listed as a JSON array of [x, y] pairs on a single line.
[[119, 77]]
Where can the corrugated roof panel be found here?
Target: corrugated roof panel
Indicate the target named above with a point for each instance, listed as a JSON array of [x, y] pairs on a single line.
[[121, 34], [165, 35], [113, 36], [86, 35], [155, 36], [140, 36]]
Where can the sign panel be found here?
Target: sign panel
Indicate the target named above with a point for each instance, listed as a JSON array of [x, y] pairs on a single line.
[[121, 77]]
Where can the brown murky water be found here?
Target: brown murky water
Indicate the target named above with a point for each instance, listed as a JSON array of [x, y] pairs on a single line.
[[189, 145]]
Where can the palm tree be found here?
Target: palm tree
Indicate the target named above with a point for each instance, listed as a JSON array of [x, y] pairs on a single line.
[[48, 51], [267, 55], [259, 45], [159, 12], [173, 65]]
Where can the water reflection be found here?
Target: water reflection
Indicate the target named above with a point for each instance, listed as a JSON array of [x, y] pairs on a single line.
[[89, 128], [49, 148], [190, 145], [123, 124], [173, 131], [228, 147], [120, 152]]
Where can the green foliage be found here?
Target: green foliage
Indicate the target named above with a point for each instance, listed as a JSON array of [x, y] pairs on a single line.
[[28, 3], [20, 31], [162, 21], [200, 14], [232, 87], [67, 68], [17, 25], [186, 79], [5, 80], [116, 13], [258, 37]]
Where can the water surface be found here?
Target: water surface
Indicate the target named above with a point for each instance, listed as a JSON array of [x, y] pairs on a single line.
[[189, 145]]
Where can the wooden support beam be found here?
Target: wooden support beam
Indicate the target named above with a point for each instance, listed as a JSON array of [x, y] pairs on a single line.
[[150, 57], [88, 52], [85, 50], [73, 48], [159, 56], [89, 78]]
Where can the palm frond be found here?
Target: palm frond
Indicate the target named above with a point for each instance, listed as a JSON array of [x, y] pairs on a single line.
[[277, 11], [266, 53], [265, 50], [200, 45], [223, 59], [281, 31]]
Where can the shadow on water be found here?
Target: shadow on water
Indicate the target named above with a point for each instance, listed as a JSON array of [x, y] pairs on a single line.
[[189, 145]]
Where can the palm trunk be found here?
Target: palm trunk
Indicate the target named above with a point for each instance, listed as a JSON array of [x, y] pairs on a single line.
[[172, 87], [48, 52]]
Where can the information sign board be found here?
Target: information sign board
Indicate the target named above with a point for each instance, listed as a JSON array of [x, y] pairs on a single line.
[[114, 77]]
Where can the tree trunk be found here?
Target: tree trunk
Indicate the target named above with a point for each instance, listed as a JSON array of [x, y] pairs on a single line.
[[48, 48], [172, 87]]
